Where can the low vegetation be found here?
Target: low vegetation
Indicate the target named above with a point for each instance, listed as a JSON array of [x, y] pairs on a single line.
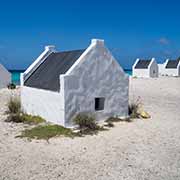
[[24, 118], [11, 86], [87, 124], [14, 106], [136, 110], [133, 109], [15, 114], [47, 131]]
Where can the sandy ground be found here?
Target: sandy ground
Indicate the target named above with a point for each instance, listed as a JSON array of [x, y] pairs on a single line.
[[144, 149]]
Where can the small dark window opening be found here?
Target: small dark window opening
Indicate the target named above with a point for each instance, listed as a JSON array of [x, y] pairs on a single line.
[[99, 104]]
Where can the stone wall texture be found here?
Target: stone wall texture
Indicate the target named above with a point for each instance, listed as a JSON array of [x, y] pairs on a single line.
[[97, 74]]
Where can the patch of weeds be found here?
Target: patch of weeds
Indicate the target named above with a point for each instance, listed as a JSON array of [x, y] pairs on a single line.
[[24, 118], [11, 86], [14, 118], [87, 124], [133, 109], [29, 119], [15, 114], [46, 132], [14, 106], [136, 110]]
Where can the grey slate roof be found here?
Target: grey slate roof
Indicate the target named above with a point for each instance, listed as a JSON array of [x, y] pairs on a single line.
[[172, 64], [142, 64], [46, 76]]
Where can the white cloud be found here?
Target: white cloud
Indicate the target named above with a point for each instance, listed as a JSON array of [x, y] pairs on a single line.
[[163, 41]]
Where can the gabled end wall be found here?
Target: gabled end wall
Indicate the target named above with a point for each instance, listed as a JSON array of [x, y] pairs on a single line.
[[96, 74]]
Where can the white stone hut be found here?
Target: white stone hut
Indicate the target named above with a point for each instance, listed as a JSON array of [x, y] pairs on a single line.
[[172, 67], [145, 68], [161, 68], [5, 77], [58, 85]]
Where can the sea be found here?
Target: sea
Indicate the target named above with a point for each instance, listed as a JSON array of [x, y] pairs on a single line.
[[16, 75]]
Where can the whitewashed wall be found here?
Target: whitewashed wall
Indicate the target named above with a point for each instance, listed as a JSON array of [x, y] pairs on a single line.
[[171, 72], [96, 74], [139, 72], [5, 77], [152, 70], [47, 104], [142, 73], [161, 69]]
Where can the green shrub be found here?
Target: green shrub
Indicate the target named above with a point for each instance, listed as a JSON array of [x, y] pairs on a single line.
[[24, 118], [15, 114], [14, 106], [46, 132], [29, 119], [83, 121], [11, 86], [87, 124], [133, 110], [14, 118]]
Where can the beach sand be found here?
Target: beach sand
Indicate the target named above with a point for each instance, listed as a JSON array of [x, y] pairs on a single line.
[[143, 149]]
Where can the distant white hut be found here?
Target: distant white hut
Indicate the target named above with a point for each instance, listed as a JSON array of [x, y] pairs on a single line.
[[145, 68], [172, 67], [161, 69], [5, 77], [58, 85]]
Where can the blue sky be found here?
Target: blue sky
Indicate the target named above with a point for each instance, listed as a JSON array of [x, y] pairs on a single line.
[[131, 29]]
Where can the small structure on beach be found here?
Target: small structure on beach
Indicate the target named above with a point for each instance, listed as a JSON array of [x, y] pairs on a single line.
[[145, 68], [5, 77], [59, 85], [161, 67], [172, 67]]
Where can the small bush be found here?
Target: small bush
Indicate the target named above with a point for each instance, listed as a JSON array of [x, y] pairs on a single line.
[[24, 118], [15, 114], [133, 109], [14, 118], [29, 119], [14, 106], [11, 86], [46, 132], [84, 121], [87, 124]]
